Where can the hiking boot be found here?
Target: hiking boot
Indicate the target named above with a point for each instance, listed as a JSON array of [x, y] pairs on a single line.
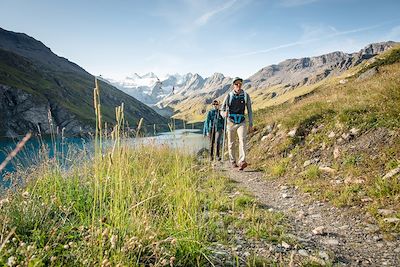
[[242, 165], [234, 165]]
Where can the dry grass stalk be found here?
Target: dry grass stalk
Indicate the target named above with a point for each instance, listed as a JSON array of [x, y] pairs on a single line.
[[13, 153]]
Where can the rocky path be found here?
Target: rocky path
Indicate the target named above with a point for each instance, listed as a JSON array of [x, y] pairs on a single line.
[[344, 237]]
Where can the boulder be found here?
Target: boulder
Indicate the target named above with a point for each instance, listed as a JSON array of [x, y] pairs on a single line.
[[367, 74], [292, 133], [326, 169]]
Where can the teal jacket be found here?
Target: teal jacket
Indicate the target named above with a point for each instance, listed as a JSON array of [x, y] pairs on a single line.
[[212, 116]]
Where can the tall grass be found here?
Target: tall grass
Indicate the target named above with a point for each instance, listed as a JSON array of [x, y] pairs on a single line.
[[126, 205], [123, 205]]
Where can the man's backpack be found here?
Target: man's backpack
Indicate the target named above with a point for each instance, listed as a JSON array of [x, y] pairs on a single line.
[[231, 95]]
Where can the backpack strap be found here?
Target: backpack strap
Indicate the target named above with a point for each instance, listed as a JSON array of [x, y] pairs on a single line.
[[230, 96]]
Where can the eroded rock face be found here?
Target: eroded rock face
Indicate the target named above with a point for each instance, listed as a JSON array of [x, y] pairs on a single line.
[[22, 112]]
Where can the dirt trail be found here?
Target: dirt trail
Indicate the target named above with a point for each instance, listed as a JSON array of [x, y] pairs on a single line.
[[343, 236]]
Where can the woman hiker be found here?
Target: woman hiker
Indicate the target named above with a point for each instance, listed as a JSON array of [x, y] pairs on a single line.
[[213, 128], [233, 108]]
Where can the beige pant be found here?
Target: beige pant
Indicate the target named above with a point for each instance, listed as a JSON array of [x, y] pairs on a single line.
[[241, 132]]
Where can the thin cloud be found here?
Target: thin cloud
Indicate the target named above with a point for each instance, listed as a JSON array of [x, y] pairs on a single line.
[[303, 42], [204, 18], [394, 34]]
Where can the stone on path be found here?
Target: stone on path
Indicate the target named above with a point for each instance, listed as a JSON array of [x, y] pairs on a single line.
[[285, 245], [336, 153], [331, 242], [302, 252], [331, 135], [385, 212], [320, 230], [292, 133], [326, 169], [323, 255], [391, 220]]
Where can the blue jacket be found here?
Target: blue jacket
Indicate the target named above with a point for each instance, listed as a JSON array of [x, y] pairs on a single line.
[[212, 116]]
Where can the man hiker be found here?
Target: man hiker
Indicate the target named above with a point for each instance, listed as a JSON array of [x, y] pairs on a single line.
[[233, 108], [213, 128]]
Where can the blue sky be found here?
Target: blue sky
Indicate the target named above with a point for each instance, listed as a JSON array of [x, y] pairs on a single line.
[[235, 37]]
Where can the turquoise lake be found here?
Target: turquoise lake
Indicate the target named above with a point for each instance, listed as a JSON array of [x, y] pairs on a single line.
[[187, 141]]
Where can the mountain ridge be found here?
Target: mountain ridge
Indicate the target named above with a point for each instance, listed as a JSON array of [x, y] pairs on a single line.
[[273, 81], [34, 81]]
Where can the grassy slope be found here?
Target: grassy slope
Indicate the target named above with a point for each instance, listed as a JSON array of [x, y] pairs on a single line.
[[370, 105], [72, 91]]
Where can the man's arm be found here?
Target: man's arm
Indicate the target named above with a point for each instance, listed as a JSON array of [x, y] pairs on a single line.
[[224, 107], [249, 111]]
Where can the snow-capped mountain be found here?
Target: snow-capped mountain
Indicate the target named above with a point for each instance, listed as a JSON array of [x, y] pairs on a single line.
[[147, 88]]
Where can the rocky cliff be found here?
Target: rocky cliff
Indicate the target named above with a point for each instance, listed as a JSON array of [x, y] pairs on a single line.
[[22, 112], [34, 82]]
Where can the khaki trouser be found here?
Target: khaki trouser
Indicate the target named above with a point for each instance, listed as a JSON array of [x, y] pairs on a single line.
[[241, 132]]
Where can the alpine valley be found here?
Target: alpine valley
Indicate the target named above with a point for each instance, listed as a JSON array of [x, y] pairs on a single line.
[[188, 96], [34, 81]]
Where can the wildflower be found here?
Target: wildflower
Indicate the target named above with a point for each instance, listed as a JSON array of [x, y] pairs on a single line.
[[164, 262], [3, 202], [53, 258], [11, 261], [22, 244], [30, 248], [66, 246], [105, 233], [173, 241], [171, 261], [25, 194], [47, 248], [105, 263], [113, 241]]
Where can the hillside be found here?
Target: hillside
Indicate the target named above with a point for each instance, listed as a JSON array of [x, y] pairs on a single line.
[[341, 142], [273, 84], [34, 80]]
